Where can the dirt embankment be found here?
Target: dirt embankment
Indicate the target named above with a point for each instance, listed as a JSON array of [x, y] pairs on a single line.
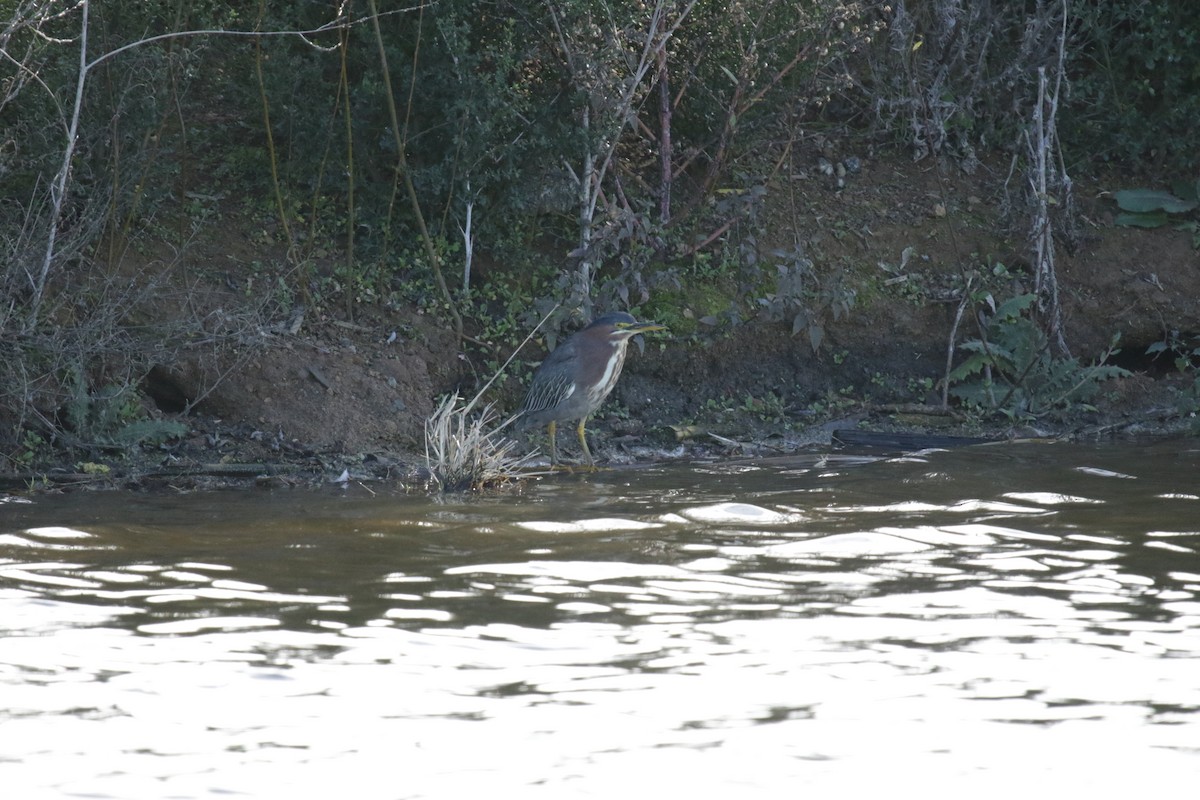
[[337, 391]]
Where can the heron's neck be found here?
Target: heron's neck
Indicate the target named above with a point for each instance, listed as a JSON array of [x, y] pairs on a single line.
[[612, 368]]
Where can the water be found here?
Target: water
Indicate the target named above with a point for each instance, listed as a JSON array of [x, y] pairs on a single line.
[[999, 619]]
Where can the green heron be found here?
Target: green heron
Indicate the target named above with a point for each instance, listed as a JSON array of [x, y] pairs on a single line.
[[574, 379]]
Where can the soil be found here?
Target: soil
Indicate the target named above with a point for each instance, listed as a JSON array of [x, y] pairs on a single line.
[[323, 395]]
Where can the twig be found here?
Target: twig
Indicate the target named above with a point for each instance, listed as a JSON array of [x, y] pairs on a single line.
[[58, 189], [950, 343], [435, 261], [508, 361], [332, 25]]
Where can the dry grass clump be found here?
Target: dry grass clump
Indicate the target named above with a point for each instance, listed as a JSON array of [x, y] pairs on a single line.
[[465, 451]]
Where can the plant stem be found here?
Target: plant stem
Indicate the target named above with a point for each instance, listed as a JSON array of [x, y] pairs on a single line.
[[350, 209], [435, 261], [272, 154]]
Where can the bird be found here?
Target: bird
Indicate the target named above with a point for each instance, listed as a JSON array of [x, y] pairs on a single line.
[[579, 374]]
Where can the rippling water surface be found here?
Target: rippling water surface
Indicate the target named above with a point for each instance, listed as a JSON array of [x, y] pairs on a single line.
[[999, 619]]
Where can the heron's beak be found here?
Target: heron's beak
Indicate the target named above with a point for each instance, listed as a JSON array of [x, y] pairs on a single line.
[[642, 327]]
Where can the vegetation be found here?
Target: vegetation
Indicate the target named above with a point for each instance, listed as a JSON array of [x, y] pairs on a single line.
[[1011, 368], [466, 451], [396, 154], [1185, 356]]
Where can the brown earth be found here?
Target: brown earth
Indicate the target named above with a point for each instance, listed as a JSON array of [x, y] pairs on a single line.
[[336, 392]]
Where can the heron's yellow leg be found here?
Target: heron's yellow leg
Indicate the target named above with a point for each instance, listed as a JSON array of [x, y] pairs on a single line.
[[553, 428], [583, 442]]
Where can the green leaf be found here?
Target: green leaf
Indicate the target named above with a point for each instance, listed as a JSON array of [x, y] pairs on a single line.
[[1014, 306], [971, 366], [816, 335], [1144, 200], [1154, 219]]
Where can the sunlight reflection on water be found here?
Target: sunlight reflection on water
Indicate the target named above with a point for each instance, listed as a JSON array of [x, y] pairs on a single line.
[[1014, 622]]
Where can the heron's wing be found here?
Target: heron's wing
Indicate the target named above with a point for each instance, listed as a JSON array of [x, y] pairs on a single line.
[[548, 391], [554, 380]]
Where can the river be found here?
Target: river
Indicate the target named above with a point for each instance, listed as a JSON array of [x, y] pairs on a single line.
[[1019, 617]]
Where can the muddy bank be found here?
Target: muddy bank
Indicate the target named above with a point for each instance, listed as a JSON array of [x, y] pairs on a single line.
[[329, 395]]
